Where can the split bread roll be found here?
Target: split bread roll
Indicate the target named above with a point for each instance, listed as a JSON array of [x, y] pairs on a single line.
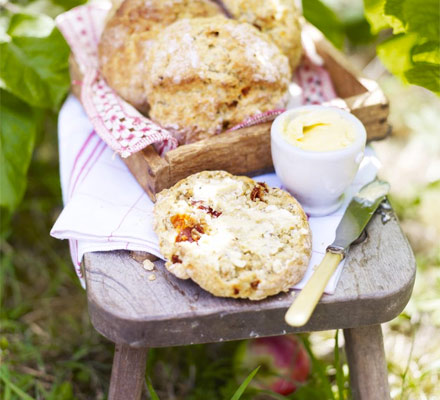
[[233, 236], [130, 32], [205, 75]]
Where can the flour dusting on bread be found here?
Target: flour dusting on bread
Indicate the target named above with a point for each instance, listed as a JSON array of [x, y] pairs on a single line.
[[206, 75], [278, 19], [129, 34]]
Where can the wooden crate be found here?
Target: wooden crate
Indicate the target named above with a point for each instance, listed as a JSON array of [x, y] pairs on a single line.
[[247, 151]]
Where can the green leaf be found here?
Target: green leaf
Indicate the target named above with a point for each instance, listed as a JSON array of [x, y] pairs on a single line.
[[18, 127], [394, 13], [4, 24], [428, 52], [27, 25], [68, 4], [395, 53], [324, 18], [150, 388], [319, 375], [34, 62], [394, 8], [4, 376], [374, 12], [414, 53], [424, 75], [245, 384], [45, 7], [359, 32], [51, 7], [63, 391], [379, 19], [338, 367], [422, 17]]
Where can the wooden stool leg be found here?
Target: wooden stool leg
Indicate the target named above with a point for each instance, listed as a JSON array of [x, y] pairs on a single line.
[[366, 360], [128, 373]]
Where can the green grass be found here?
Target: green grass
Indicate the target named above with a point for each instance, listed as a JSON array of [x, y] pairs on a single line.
[[48, 347]]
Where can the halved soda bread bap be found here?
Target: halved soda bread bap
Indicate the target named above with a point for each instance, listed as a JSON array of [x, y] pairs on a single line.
[[279, 19], [130, 32], [233, 236], [205, 75]]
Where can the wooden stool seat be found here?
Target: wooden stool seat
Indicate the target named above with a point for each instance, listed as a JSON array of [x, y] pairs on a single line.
[[135, 312]]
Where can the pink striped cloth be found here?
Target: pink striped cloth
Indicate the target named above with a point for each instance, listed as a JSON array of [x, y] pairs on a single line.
[[105, 208], [119, 124]]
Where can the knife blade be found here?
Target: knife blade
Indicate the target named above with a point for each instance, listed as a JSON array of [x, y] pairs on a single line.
[[359, 212]]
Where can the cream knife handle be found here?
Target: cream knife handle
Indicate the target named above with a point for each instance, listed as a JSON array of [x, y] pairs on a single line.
[[302, 308]]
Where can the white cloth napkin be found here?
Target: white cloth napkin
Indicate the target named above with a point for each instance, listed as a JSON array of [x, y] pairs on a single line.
[[106, 209]]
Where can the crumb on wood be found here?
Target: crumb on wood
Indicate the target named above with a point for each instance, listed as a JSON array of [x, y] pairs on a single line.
[[148, 265], [140, 256]]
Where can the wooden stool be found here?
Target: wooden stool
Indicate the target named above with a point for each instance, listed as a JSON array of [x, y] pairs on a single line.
[[136, 313]]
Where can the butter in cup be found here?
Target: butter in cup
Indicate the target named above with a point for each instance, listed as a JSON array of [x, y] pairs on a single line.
[[319, 131], [316, 152]]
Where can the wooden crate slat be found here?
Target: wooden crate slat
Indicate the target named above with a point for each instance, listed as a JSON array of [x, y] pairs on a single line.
[[238, 152]]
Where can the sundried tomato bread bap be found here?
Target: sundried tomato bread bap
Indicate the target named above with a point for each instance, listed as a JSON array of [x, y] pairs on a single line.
[[233, 236], [280, 20], [206, 75], [131, 31]]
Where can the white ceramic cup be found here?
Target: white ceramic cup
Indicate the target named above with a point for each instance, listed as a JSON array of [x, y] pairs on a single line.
[[317, 179]]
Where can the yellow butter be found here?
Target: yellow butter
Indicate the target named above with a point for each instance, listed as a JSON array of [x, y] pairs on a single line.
[[319, 131]]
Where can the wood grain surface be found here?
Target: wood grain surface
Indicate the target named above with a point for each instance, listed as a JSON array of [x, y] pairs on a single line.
[[128, 373], [367, 363], [126, 307]]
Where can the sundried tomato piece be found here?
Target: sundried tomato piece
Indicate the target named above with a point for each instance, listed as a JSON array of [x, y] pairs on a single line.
[[255, 284], [187, 228], [190, 234], [180, 221], [264, 186], [255, 193], [258, 191], [175, 259], [208, 209], [214, 213], [185, 235], [199, 228]]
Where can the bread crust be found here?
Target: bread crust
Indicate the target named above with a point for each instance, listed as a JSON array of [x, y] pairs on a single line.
[[278, 19], [206, 75], [130, 32], [233, 236]]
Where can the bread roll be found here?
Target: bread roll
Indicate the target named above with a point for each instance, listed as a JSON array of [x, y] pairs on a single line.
[[233, 236], [205, 75], [129, 34], [278, 19]]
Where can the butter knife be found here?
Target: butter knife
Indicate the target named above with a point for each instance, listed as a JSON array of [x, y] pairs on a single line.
[[359, 212]]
